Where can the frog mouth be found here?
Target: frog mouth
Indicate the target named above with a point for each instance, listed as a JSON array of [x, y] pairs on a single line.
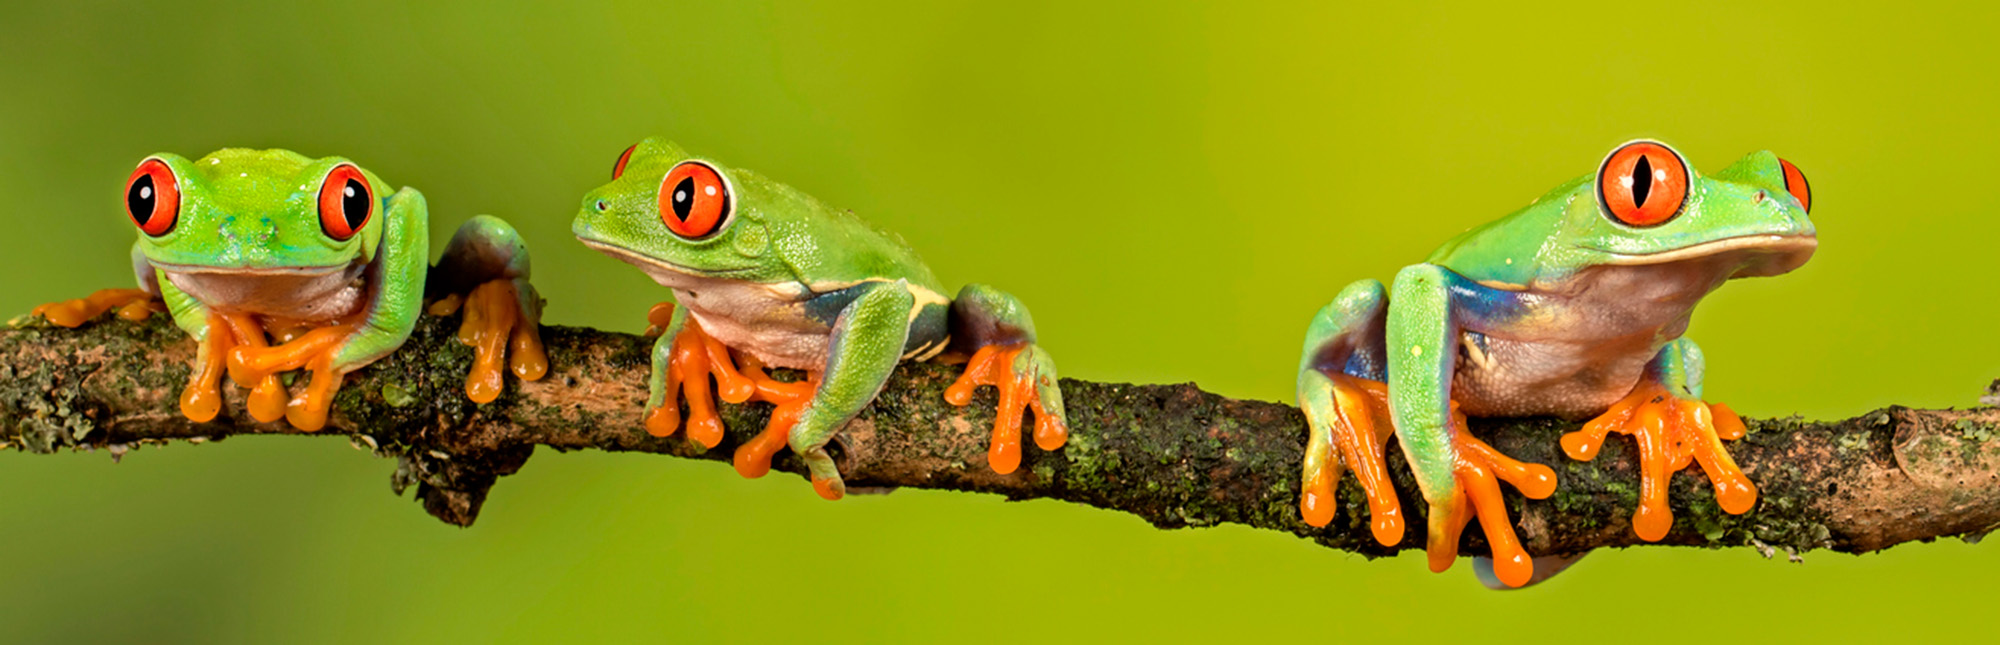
[[207, 269], [651, 264], [1760, 255]]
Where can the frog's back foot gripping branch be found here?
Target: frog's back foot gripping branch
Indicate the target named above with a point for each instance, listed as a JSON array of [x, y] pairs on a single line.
[[995, 329], [132, 304], [485, 267]]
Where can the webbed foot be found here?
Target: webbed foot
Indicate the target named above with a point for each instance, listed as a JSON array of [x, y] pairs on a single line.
[[201, 400], [1026, 378], [1670, 432], [696, 357], [500, 329], [1357, 424], [1479, 470], [253, 362], [132, 304], [753, 458]]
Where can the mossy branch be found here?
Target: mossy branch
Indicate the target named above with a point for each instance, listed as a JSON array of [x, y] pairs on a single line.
[[1172, 454]]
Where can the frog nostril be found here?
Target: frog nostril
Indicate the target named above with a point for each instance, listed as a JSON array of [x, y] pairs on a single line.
[[1758, 198], [601, 206]]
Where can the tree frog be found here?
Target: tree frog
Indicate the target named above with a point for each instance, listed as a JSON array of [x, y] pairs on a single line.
[[770, 276], [249, 246], [1573, 306]]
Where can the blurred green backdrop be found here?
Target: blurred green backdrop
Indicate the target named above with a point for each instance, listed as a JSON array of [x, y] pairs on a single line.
[[1173, 188]]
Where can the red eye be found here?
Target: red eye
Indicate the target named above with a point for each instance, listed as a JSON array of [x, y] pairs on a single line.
[[1643, 183], [694, 202], [152, 197], [344, 202], [618, 169], [1796, 184]]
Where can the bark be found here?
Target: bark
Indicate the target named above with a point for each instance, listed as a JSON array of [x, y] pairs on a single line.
[[1172, 454]]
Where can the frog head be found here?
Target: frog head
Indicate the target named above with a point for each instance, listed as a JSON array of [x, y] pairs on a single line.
[[256, 212], [1646, 206], [678, 217]]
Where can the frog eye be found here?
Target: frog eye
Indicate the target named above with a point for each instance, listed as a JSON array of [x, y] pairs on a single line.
[[344, 202], [694, 201], [1796, 184], [153, 198], [618, 169], [1643, 183]]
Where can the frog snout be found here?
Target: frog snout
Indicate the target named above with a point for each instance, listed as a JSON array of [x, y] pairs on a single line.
[[245, 230]]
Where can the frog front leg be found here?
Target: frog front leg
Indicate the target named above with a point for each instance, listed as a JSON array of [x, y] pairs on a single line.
[[1672, 427], [201, 400], [999, 332], [1459, 475], [684, 359], [396, 281], [485, 268], [866, 343]]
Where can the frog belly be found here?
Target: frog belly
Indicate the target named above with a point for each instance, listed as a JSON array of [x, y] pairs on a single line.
[[1509, 378], [765, 321]]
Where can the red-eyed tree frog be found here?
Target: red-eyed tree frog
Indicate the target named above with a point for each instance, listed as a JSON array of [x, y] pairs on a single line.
[[1573, 306], [766, 275], [247, 247]]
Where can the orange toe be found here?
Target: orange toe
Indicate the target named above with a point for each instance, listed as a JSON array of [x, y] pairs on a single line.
[[502, 340], [1479, 470], [74, 313], [994, 365], [696, 358], [201, 400], [1359, 428], [1670, 434], [829, 489]]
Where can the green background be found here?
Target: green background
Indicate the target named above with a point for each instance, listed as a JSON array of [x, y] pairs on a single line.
[[1174, 189]]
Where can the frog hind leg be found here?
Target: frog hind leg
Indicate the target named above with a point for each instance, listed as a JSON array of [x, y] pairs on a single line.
[[329, 353], [134, 305], [866, 343], [485, 268], [1346, 408], [1000, 336], [1672, 428], [1458, 474]]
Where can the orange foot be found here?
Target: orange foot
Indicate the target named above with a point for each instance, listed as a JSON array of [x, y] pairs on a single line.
[[253, 362], [201, 400], [994, 365], [696, 357], [1670, 432], [1359, 430], [497, 332], [1479, 471], [132, 304], [753, 458]]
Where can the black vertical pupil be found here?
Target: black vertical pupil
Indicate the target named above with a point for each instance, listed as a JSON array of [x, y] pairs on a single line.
[[684, 197], [354, 204], [1642, 180], [141, 198]]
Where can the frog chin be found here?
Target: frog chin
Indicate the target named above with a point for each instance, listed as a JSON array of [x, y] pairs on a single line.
[[668, 274], [308, 294], [1750, 255]]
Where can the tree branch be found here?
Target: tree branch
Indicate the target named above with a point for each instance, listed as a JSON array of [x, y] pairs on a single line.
[[1172, 454]]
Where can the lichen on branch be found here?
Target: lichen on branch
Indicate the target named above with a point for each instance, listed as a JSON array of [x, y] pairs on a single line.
[[1172, 454]]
